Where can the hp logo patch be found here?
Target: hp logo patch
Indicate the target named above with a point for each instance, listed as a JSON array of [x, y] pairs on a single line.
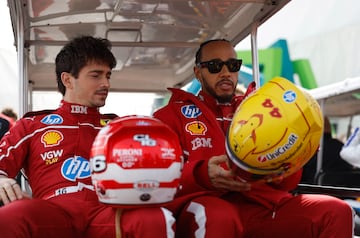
[[75, 168], [52, 119], [190, 111]]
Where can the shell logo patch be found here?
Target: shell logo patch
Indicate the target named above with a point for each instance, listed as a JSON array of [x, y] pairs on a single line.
[[52, 138], [196, 128]]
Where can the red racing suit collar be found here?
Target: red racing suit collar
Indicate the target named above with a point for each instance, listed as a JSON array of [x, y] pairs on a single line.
[[74, 108]]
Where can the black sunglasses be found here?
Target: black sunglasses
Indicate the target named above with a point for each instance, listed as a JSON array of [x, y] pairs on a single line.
[[216, 65]]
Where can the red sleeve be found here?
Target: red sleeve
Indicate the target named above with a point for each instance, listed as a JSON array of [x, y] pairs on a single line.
[[13, 149]]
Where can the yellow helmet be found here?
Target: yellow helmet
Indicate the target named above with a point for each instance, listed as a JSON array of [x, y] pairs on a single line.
[[274, 131]]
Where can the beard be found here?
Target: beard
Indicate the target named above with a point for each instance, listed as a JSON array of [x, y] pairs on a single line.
[[224, 98]]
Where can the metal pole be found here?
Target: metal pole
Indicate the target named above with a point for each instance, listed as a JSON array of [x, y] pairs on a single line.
[[23, 83], [254, 54], [319, 159]]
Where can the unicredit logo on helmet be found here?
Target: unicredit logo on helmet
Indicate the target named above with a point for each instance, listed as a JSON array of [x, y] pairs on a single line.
[[280, 150]]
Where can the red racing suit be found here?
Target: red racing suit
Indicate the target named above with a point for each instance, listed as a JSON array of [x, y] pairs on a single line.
[[53, 148], [267, 210]]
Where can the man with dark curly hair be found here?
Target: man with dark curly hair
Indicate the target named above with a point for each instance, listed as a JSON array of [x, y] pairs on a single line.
[[53, 149]]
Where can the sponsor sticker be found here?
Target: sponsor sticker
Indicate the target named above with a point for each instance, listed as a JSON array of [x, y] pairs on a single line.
[[280, 150], [144, 139], [78, 109], [289, 96], [190, 111], [75, 168], [146, 185], [52, 156], [51, 138], [52, 119], [168, 153], [196, 128], [104, 122], [201, 143]]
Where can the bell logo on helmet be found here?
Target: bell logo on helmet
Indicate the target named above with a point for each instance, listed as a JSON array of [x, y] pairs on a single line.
[[146, 185]]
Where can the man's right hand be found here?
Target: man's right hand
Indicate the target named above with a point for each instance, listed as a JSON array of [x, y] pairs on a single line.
[[10, 190], [224, 179]]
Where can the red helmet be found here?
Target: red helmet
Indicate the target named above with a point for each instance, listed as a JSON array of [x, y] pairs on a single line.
[[136, 160]]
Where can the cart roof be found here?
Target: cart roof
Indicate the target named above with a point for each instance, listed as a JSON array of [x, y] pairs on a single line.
[[154, 40]]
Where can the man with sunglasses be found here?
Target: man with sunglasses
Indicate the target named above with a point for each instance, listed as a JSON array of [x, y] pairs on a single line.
[[211, 203]]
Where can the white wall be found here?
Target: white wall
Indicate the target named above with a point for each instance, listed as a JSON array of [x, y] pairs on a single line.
[[8, 79]]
